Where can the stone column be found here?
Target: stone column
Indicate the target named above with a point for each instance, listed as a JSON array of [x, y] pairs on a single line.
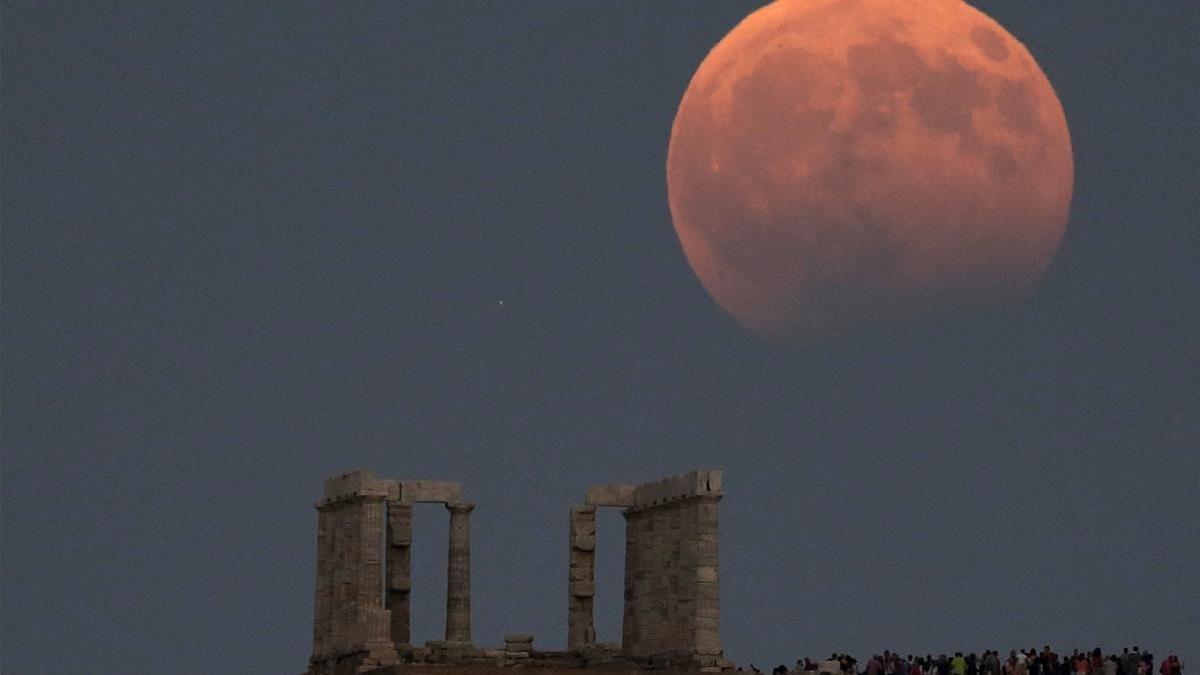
[[372, 622], [458, 574], [323, 603], [630, 631], [659, 579], [399, 570], [707, 623], [358, 618], [581, 629], [340, 619]]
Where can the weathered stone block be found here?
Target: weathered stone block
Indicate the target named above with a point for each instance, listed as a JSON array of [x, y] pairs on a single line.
[[583, 589], [583, 523], [400, 582], [622, 496], [430, 491], [702, 482], [400, 524], [354, 483]]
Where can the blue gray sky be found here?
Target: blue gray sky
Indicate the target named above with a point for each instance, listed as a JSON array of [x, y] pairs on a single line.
[[246, 245]]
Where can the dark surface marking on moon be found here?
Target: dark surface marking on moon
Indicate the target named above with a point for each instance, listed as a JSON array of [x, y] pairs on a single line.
[[884, 66], [1002, 162], [776, 76], [944, 98], [989, 43], [1015, 102]]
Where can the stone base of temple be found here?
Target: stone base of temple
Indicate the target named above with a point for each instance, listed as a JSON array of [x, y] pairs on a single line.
[[453, 658], [369, 659], [611, 669], [688, 661]]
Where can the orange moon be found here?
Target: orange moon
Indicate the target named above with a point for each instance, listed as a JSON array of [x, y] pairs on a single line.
[[841, 163]]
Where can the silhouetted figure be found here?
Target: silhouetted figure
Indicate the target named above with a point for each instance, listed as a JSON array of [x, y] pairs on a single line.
[[991, 662], [958, 665], [1135, 660]]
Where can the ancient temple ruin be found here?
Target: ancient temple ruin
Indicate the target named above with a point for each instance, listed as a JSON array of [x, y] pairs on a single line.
[[362, 616], [355, 617], [672, 603]]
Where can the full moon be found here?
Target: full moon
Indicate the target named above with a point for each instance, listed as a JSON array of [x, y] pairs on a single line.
[[841, 163]]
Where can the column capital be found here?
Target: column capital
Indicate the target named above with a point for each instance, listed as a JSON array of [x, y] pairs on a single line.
[[460, 507]]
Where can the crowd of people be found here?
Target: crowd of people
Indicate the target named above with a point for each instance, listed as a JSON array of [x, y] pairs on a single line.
[[1018, 662]]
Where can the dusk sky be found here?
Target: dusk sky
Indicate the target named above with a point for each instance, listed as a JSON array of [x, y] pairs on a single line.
[[248, 245]]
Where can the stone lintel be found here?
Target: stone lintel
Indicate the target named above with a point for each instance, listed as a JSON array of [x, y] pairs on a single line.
[[697, 483], [353, 484], [429, 491], [611, 495]]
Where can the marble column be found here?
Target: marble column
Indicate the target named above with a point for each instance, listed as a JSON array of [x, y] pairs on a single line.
[[399, 570], [371, 619], [458, 574], [343, 579], [630, 630], [581, 630], [323, 603], [706, 623]]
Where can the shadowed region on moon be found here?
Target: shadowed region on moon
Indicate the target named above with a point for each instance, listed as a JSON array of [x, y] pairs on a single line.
[[840, 163]]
